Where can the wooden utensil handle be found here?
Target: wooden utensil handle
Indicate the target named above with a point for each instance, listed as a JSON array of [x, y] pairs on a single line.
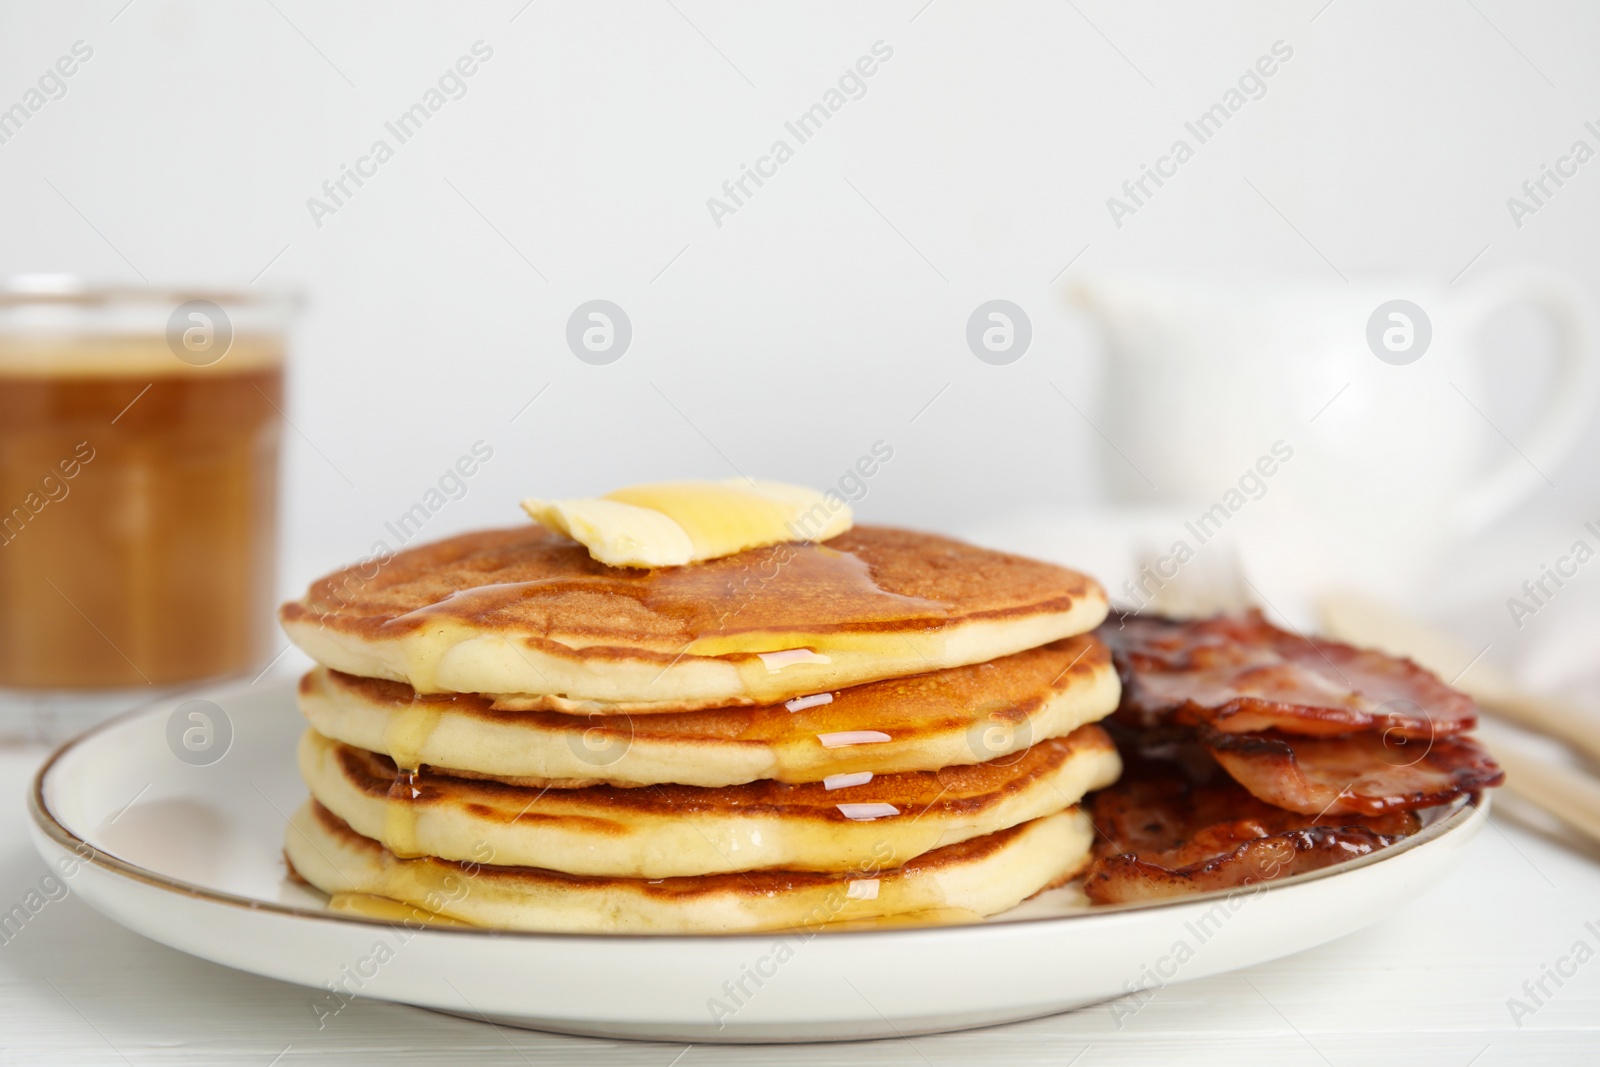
[[1550, 717], [1570, 795]]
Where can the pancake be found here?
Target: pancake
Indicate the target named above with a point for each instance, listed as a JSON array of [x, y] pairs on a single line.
[[677, 831], [984, 876], [958, 716], [527, 615]]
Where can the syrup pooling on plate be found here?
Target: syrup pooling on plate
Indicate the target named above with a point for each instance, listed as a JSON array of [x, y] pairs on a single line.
[[388, 910], [907, 920]]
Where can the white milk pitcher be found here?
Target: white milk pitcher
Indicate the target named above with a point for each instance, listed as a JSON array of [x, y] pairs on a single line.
[[1366, 402]]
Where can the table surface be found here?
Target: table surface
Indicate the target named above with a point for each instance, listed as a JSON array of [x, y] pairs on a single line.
[[1432, 984]]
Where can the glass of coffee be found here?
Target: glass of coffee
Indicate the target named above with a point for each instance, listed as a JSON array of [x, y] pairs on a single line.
[[139, 434]]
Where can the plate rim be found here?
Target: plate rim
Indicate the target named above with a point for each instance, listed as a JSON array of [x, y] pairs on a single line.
[[1473, 809]]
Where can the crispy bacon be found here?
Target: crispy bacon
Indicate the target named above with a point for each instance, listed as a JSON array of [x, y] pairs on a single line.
[[1127, 878], [1363, 774], [1164, 835], [1331, 750], [1239, 674]]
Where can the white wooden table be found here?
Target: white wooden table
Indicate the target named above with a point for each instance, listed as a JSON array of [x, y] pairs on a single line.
[[1428, 986]]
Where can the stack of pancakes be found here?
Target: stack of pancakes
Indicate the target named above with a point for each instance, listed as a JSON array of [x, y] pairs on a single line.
[[889, 725]]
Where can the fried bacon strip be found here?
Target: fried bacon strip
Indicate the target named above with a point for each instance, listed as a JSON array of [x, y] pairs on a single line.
[[1239, 674], [1128, 878], [1254, 754], [1163, 836], [1362, 774]]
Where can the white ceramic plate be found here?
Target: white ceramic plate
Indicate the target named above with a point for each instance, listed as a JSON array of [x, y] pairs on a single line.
[[190, 855]]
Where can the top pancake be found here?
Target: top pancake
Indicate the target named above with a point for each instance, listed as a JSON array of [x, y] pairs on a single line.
[[528, 616]]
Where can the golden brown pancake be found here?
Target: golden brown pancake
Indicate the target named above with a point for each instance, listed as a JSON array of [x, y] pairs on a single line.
[[947, 718], [668, 831], [527, 615], [983, 876]]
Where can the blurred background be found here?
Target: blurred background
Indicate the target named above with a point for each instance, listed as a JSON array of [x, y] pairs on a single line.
[[1176, 327]]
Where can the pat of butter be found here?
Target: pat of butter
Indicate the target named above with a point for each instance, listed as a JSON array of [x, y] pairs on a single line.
[[669, 524]]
